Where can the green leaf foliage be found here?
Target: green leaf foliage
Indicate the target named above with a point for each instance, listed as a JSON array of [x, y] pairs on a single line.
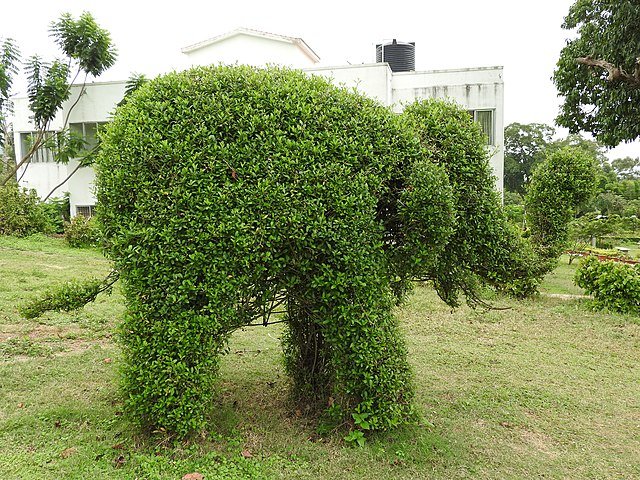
[[84, 41], [615, 286], [134, 82], [596, 101], [9, 57], [66, 297], [82, 232], [21, 212], [58, 212], [524, 148], [229, 193], [48, 88], [564, 181], [484, 247]]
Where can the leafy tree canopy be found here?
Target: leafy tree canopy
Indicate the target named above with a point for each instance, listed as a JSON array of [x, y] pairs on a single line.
[[598, 72], [524, 147], [9, 55], [527, 145], [84, 41], [627, 168], [87, 49]]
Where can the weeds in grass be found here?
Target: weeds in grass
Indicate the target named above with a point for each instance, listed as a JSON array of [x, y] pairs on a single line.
[[13, 347]]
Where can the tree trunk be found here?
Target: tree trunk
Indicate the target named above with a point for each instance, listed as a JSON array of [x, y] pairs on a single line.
[[8, 152]]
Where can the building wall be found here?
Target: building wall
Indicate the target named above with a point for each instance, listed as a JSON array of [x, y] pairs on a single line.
[[96, 105], [42, 177], [251, 50], [373, 80], [473, 88]]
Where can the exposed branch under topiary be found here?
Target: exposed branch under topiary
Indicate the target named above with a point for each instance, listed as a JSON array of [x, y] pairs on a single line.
[[68, 296]]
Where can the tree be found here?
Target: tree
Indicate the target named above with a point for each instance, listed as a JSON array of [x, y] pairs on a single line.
[[560, 184], [89, 52], [598, 72], [9, 56], [524, 147], [627, 168]]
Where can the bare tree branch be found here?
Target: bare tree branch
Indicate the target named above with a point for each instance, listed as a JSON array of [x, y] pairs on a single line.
[[616, 74]]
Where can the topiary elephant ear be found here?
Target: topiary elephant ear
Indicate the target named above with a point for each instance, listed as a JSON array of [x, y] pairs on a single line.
[[227, 193]]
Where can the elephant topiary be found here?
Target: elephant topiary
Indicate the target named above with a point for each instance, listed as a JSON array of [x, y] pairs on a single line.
[[230, 193]]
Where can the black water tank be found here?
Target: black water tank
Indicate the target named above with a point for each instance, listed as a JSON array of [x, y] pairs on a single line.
[[401, 56]]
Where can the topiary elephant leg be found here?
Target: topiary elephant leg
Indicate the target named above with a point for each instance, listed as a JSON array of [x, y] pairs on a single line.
[[305, 354], [367, 351], [171, 358], [344, 350]]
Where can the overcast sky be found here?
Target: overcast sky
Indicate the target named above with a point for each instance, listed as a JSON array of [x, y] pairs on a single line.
[[523, 36]]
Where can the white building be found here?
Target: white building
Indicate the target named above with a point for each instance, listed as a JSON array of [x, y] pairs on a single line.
[[479, 90], [43, 174], [251, 47]]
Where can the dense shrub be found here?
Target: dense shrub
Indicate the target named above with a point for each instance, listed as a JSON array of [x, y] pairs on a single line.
[[82, 232], [57, 211], [614, 285], [21, 212], [228, 192], [484, 248], [562, 182], [512, 198], [515, 214]]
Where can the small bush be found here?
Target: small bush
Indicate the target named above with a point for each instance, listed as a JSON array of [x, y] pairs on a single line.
[[512, 198], [608, 252], [21, 212], [604, 244], [82, 232], [57, 212], [515, 214], [614, 285]]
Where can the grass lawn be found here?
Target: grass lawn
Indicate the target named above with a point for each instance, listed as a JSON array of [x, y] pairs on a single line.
[[544, 389], [560, 281]]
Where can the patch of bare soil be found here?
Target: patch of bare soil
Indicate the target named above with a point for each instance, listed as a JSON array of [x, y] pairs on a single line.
[[38, 332], [539, 441], [565, 296]]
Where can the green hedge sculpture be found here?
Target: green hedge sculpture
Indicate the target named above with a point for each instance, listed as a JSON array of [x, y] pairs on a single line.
[[230, 193]]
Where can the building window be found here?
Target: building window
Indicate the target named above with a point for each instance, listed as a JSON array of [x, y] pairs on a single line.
[[88, 131], [485, 119], [43, 154], [86, 211]]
